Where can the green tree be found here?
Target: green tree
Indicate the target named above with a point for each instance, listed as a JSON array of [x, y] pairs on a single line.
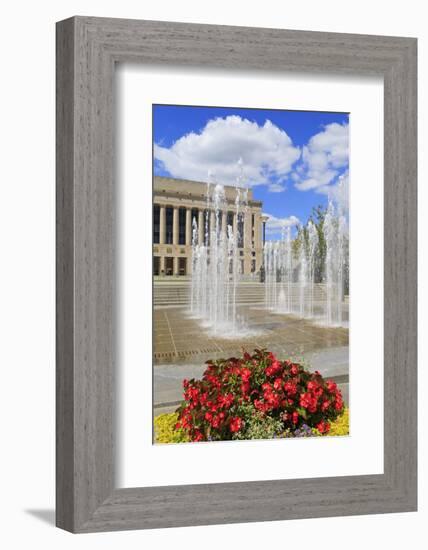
[[317, 217]]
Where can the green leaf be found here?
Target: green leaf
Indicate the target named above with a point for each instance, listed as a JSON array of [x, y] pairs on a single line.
[[302, 412]]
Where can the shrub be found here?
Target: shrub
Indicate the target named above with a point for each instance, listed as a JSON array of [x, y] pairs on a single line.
[[341, 425], [165, 431], [256, 396]]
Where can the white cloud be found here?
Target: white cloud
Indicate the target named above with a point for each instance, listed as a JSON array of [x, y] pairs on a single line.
[[266, 151], [276, 188], [275, 225], [339, 192], [316, 179], [323, 157]]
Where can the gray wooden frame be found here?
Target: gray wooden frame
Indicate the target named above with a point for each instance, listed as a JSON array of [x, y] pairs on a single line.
[[87, 50]]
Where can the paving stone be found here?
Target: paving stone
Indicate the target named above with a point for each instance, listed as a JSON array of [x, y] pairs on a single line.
[[181, 350]]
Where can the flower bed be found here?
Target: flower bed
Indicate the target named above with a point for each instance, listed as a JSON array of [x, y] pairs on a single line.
[[165, 431], [255, 397]]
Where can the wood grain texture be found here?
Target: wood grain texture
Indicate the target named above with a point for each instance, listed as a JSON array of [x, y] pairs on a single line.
[[64, 277], [87, 49]]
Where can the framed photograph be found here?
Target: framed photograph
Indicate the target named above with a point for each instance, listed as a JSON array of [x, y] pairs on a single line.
[[236, 274]]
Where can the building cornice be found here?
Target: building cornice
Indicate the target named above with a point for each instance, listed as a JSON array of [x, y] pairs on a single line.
[[200, 199]]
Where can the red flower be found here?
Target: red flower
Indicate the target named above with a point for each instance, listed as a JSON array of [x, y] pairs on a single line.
[[235, 424], [323, 427], [273, 368], [294, 370], [325, 405], [338, 403], [226, 400], [315, 388], [290, 388], [197, 436], [312, 385], [260, 406], [245, 374], [277, 383], [257, 384], [215, 422], [203, 398], [192, 394], [331, 386], [245, 387], [308, 402]]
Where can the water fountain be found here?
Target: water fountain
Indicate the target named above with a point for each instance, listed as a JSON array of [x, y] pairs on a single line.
[[216, 262], [291, 284], [303, 272], [335, 231], [270, 255], [312, 248]]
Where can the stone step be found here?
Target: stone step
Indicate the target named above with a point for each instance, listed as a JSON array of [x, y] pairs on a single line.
[[172, 293], [185, 292]]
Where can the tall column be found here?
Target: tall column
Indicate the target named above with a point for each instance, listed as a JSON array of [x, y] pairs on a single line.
[[264, 220], [175, 226], [247, 242], [212, 222], [254, 231], [257, 226], [188, 226], [260, 225], [175, 266], [162, 224], [247, 229], [201, 227], [255, 242], [258, 239], [162, 265], [224, 224]]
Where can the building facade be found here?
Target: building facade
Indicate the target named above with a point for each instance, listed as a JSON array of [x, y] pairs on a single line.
[[176, 203]]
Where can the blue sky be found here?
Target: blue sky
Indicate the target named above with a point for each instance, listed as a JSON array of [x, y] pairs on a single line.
[[292, 160]]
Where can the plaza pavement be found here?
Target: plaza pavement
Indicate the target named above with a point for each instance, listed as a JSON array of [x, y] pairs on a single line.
[[181, 347]]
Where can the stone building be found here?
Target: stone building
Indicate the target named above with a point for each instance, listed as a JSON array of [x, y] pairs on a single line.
[[176, 203]]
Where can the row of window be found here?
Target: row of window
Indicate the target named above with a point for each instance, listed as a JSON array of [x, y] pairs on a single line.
[[169, 266], [182, 266], [169, 217]]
